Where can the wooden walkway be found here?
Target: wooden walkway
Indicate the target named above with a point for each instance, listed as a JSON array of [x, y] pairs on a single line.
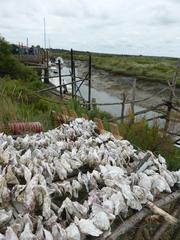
[[33, 61]]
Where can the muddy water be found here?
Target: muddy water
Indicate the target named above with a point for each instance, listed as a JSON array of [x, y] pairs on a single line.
[[103, 95]]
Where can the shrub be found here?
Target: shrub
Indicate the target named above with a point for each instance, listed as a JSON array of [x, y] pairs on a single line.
[[10, 66]]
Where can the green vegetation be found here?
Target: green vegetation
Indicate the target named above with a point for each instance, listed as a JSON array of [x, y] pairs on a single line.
[[10, 66], [18, 99], [143, 67], [145, 137], [20, 103]]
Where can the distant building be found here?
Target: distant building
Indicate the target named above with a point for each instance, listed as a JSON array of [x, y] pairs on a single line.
[[23, 50]]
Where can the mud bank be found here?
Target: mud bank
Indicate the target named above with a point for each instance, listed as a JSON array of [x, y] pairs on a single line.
[[116, 85]]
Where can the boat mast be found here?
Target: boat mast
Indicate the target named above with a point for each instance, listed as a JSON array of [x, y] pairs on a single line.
[[44, 34]]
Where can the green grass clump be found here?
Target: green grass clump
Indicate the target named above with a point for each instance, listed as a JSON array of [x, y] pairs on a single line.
[[22, 104], [150, 138], [8, 110]]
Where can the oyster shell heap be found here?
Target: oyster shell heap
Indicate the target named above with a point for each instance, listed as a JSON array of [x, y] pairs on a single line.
[[71, 182]]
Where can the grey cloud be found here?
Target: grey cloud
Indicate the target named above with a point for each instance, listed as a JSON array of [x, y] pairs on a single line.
[[61, 13], [102, 24], [5, 14], [6, 26], [165, 20], [80, 10], [165, 16], [130, 26]]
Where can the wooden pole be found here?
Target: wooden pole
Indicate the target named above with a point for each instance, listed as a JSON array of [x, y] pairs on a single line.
[[156, 210], [47, 54], [74, 78], [60, 80], [72, 71], [44, 34], [94, 103], [46, 70], [172, 87], [162, 229], [133, 97], [89, 82], [168, 114], [136, 218], [123, 107]]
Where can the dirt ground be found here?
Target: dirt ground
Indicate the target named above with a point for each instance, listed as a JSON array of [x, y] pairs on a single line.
[[117, 85]]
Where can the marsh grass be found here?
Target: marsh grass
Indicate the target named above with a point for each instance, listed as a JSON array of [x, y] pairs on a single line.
[[143, 67]]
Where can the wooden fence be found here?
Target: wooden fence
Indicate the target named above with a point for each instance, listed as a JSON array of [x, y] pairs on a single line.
[[164, 108], [76, 88]]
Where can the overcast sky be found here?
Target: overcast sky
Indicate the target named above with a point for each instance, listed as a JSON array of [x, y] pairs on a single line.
[[114, 26]]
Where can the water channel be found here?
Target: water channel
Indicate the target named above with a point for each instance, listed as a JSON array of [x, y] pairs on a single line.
[[103, 97]]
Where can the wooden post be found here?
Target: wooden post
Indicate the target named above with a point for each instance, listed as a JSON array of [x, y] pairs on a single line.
[[89, 82], [169, 103], [74, 78], [168, 114], [133, 97], [46, 70], [123, 107], [72, 73], [46, 75], [94, 103], [60, 80]]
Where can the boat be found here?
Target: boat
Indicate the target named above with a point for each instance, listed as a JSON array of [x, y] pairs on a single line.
[[59, 59], [53, 71]]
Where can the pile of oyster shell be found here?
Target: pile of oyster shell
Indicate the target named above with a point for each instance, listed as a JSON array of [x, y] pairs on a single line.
[[71, 182]]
